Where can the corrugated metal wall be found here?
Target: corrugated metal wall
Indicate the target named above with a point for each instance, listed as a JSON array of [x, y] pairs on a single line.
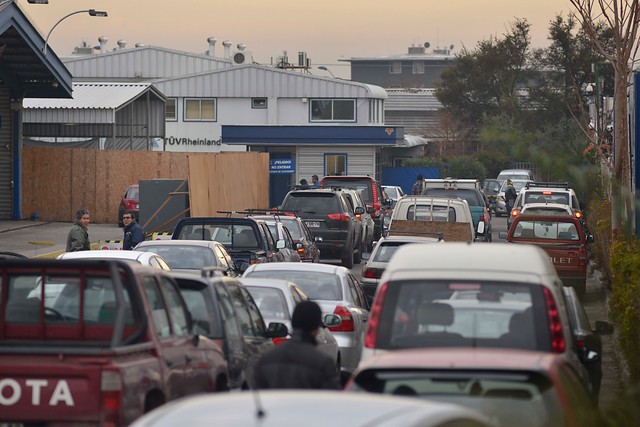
[[310, 160], [6, 150], [414, 122]]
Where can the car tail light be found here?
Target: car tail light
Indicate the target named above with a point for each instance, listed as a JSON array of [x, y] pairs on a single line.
[[374, 317], [376, 203], [555, 325], [359, 217], [110, 388], [582, 256], [514, 212], [370, 273], [339, 217], [280, 340], [347, 320], [577, 215], [301, 251], [581, 344], [483, 218]]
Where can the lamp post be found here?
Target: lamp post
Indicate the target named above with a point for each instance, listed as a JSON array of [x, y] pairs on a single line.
[[91, 12], [322, 67]]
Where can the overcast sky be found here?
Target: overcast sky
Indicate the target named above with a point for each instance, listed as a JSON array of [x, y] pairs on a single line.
[[327, 30]]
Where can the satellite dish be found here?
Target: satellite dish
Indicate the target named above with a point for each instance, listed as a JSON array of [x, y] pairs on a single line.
[[427, 44]]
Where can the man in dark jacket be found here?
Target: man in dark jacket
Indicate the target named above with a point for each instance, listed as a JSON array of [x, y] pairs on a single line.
[[298, 363], [132, 231]]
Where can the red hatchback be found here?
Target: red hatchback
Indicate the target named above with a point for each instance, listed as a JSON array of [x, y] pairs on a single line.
[[130, 202], [511, 387]]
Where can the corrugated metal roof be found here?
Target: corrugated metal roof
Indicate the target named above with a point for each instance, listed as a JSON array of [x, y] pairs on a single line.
[[254, 80], [92, 96], [412, 100]]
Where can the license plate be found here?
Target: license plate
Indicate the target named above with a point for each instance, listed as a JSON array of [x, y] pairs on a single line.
[[313, 224]]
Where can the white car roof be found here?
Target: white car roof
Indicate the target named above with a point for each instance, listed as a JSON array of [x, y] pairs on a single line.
[[295, 266], [293, 408], [469, 261], [205, 243], [283, 285], [141, 257]]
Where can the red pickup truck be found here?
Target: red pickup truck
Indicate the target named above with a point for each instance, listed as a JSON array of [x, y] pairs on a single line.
[[563, 238], [96, 343]]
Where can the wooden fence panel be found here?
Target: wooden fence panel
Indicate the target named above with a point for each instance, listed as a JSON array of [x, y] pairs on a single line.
[[58, 181]]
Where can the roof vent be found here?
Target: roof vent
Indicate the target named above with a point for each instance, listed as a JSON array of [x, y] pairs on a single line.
[[227, 49], [212, 46], [103, 43], [139, 44], [122, 44]]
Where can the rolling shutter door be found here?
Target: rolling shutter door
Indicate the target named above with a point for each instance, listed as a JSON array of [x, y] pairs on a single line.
[[6, 145]]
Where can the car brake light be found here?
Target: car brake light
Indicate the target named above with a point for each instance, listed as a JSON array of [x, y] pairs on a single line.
[[374, 316], [483, 218], [280, 340], [547, 193], [110, 388], [347, 320], [339, 217], [370, 273], [555, 325], [301, 251], [359, 217], [577, 215], [582, 256], [515, 212]]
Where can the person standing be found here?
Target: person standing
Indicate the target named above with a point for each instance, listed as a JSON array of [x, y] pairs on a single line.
[[298, 364], [304, 185], [78, 238], [315, 181], [133, 233], [510, 195], [418, 186]]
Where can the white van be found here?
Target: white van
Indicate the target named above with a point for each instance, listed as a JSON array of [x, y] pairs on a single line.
[[453, 295], [524, 174], [434, 214]]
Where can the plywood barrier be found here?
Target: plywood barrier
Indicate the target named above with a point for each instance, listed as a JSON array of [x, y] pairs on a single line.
[[58, 181], [451, 231]]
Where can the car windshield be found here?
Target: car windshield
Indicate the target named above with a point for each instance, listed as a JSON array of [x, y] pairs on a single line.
[[317, 285], [392, 192], [431, 213], [503, 396], [517, 185], [492, 187], [561, 198], [294, 229], [441, 313], [472, 197]]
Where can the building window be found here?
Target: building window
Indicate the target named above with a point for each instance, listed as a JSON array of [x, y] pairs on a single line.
[[335, 164], [336, 110], [259, 103], [395, 68], [418, 68], [171, 109], [200, 109]]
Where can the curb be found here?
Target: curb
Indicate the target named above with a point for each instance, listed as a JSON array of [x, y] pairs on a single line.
[[20, 227], [54, 255]]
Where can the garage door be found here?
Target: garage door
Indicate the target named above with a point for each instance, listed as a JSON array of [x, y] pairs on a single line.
[[6, 192]]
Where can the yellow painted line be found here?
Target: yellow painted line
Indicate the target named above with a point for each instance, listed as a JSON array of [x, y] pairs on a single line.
[[54, 255], [43, 243]]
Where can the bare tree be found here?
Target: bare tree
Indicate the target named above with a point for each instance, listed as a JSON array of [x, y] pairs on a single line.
[[623, 17]]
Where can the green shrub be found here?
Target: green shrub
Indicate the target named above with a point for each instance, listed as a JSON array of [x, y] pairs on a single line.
[[598, 217]]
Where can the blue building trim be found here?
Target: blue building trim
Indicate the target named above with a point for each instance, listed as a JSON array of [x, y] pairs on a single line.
[[636, 144], [312, 135]]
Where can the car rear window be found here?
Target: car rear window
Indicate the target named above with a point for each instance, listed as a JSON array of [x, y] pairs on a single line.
[[431, 213], [441, 313], [232, 236], [363, 186], [545, 229], [133, 193], [294, 229], [183, 257], [271, 302], [317, 285], [322, 203], [503, 396], [471, 196], [561, 198], [386, 250], [544, 211]]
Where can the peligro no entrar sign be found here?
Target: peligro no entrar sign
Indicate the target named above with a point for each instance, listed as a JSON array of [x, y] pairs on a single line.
[[189, 141]]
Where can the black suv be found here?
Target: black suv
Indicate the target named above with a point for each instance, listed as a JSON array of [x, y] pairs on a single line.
[[328, 215], [247, 240]]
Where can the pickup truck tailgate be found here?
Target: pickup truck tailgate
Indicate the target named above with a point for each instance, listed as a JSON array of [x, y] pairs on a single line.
[[52, 388], [567, 259]]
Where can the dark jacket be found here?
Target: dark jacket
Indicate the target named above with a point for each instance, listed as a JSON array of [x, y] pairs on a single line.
[[132, 235], [510, 195], [417, 188], [296, 364], [78, 238]]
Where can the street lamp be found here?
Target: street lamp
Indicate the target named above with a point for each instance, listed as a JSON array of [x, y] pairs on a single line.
[[91, 12], [322, 67]]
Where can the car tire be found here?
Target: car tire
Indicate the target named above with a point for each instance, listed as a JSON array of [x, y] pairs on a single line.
[[347, 261]]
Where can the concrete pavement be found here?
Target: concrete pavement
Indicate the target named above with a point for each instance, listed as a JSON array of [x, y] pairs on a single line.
[[37, 238]]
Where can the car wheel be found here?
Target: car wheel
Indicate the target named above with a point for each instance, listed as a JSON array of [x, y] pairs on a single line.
[[348, 260]]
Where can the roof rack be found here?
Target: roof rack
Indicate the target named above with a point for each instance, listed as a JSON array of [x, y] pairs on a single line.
[[534, 184]]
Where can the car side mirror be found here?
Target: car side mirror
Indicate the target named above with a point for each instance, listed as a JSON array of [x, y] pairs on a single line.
[[359, 210], [299, 245], [603, 328], [590, 238], [281, 244], [331, 320], [317, 239], [480, 230], [277, 330]]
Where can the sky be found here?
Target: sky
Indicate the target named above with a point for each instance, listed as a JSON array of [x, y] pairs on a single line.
[[327, 30]]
